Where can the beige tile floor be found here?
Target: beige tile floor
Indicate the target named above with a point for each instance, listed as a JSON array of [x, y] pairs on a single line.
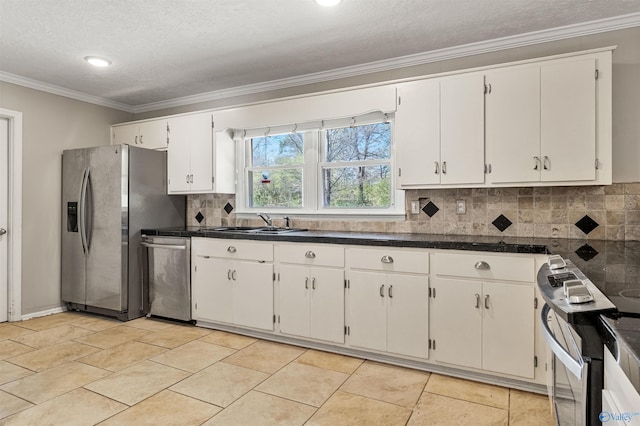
[[78, 369]]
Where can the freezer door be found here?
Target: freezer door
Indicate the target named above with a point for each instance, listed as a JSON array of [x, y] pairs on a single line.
[[106, 224], [73, 268]]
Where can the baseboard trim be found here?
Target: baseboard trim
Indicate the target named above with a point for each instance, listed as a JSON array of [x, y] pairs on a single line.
[[44, 313]]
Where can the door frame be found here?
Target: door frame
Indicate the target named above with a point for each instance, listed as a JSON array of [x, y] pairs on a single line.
[[14, 270]]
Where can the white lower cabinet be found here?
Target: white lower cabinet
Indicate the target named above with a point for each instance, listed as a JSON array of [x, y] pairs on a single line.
[[229, 289], [389, 312], [311, 291], [389, 300], [485, 325]]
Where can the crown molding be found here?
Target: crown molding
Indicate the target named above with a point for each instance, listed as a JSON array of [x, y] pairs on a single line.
[[63, 91], [536, 37], [527, 39]]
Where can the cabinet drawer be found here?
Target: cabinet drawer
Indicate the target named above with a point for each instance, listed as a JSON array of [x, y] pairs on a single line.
[[392, 260], [232, 249], [312, 254], [485, 266]]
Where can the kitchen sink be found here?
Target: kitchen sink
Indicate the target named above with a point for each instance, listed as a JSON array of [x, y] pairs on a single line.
[[269, 230]]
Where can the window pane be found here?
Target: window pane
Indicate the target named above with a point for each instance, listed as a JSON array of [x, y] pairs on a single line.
[[275, 188], [353, 187], [358, 143], [277, 150]]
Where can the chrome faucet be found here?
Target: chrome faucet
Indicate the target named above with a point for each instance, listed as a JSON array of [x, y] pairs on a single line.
[[266, 219]]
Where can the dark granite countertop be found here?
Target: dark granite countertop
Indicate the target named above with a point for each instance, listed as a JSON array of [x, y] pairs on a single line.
[[451, 242]]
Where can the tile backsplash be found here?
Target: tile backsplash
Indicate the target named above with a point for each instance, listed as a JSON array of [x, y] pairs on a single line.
[[594, 212]]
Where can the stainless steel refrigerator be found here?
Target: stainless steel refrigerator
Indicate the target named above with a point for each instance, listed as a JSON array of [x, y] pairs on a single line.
[[109, 193]]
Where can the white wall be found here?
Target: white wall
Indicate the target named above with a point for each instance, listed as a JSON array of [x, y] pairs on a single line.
[[51, 124]]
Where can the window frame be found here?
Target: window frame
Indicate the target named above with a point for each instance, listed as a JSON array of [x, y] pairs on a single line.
[[312, 196]]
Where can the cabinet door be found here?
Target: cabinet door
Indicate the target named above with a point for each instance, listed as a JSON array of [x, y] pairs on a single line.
[[462, 129], [568, 120], [153, 134], [327, 304], [408, 315], [212, 289], [508, 328], [368, 310], [457, 321], [201, 152], [179, 155], [294, 293], [253, 294], [127, 134], [417, 133], [513, 124]]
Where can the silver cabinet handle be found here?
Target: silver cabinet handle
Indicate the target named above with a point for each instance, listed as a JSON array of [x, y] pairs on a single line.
[[229, 274], [382, 290], [233, 275], [150, 245], [141, 139], [477, 300], [444, 167], [306, 283], [231, 249], [313, 283], [136, 140], [390, 291], [537, 161], [546, 163], [482, 265], [3, 231], [310, 255], [191, 178], [187, 178], [386, 259], [437, 170], [486, 301]]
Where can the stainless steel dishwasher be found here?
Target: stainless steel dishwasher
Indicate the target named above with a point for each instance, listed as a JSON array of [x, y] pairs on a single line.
[[167, 277]]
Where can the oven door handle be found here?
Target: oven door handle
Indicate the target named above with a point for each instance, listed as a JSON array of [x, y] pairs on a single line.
[[576, 367]]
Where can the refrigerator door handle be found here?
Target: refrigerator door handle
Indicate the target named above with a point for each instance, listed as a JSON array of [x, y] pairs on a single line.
[[81, 211]]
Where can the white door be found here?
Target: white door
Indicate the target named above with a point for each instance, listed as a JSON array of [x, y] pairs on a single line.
[[4, 216], [213, 289], [327, 304], [368, 310], [179, 155], [253, 294], [295, 288], [408, 315]]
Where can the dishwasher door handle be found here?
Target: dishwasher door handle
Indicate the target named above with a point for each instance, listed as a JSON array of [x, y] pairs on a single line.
[[164, 246]]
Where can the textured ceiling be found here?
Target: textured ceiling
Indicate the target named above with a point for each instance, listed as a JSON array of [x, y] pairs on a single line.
[[166, 49]]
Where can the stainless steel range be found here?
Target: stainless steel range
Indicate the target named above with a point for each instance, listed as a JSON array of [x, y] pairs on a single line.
[[570, 320]]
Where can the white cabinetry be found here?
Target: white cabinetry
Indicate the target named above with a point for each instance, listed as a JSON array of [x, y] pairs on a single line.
[[439, 131], [620, 398], [311, 291], [481, 322], [190, 154], [232, 282], [542, 123], [144, 134], [388, 300]]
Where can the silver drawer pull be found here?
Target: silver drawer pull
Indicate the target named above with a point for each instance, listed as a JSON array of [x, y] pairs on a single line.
[[310, 255], [231, 249], [386, 259], [482, 265]]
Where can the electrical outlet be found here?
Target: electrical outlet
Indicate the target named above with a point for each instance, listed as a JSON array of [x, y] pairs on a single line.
[[415, 207], [461, 206]]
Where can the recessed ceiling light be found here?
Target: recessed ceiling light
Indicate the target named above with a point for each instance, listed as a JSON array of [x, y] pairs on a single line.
[[97, 61], [328, 2]]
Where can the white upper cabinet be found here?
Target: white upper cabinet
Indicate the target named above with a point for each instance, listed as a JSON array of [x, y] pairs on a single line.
[[550, 122], [145, 134], [200, 160], [417, 133], [439, 131], [568, 120], [513, 124]]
